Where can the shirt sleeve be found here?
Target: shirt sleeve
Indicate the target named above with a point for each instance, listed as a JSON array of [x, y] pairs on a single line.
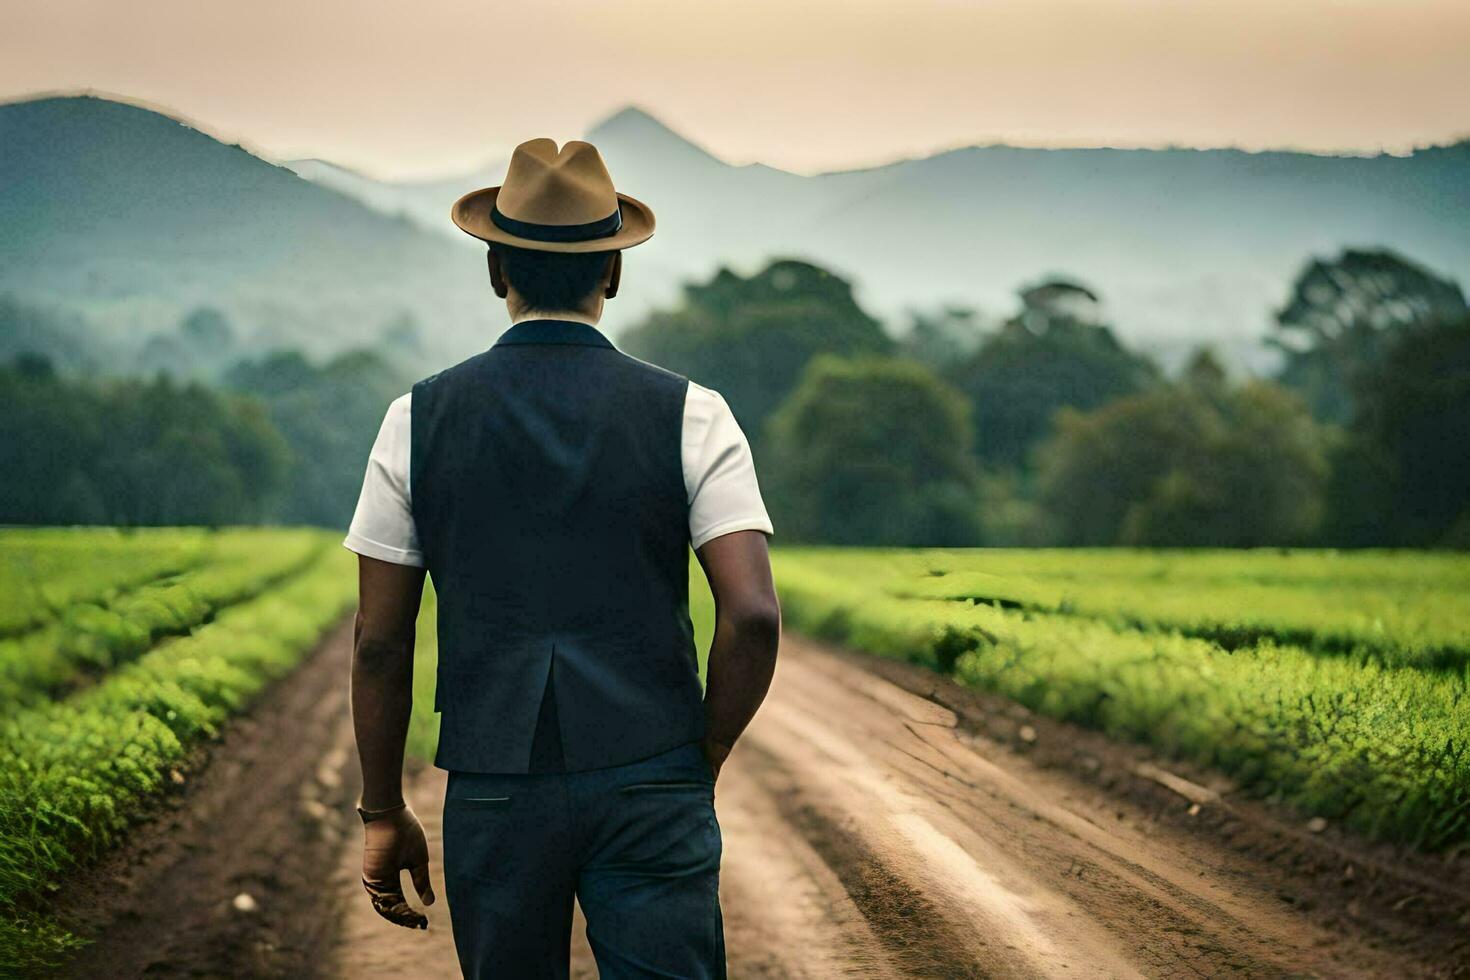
[[382, 527], [719, 471]]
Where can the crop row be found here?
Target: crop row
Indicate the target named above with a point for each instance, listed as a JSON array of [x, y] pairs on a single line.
[[75, 773], [1382, 750], [90, 638], [1398, 609], [45, 571]]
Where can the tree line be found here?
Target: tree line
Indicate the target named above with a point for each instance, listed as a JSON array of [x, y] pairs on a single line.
[[1049, 430], [1044, 429], [274, 439]]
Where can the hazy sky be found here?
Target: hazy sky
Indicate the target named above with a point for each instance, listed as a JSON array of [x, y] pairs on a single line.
[[430, 87]]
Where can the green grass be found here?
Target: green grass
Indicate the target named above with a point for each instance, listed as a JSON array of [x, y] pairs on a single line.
[[76, 772], [1403, 609], [45, 571], [89, 638], [1367, 732], [1337, 683]]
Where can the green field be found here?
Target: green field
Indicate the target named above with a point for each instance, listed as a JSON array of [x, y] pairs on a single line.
[[1337, 683], [121, 651]]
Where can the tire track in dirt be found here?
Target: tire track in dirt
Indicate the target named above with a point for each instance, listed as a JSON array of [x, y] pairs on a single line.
[[1032, 872]]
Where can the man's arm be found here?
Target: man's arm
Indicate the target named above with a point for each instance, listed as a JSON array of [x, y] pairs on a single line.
[[382, 700], [742, 658]]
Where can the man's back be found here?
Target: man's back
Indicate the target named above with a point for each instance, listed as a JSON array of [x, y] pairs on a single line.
[[550, 502]]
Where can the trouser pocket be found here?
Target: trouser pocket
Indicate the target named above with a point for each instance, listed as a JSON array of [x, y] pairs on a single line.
[[668, 786]]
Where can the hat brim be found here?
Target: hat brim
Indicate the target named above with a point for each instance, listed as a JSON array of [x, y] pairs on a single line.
[[472, 214]]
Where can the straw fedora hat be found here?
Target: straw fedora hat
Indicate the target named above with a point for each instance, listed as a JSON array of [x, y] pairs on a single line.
[[555, 201]]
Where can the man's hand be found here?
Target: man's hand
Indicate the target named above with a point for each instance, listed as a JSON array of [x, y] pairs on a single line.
[[382, 701], [392, 844]]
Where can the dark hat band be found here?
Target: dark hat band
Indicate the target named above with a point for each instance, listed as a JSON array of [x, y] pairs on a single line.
[[601, 228]]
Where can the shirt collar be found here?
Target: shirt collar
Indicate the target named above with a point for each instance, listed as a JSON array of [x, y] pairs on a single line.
[[552, 331]]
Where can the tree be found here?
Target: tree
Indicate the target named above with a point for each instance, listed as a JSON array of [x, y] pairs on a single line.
[[48, 435], [1342, 316], [329, 417], [943, 339], [750, 339], [131, 452], [1402, 475], [1055, 353], [186, 454], [1197, 463], [207, 331], [873, 451]]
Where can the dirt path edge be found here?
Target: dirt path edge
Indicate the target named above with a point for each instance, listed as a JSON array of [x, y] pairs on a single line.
[[1397, 897], [265, 811], [230, 875]]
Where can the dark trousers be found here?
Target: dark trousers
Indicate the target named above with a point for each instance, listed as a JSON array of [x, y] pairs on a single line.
[[637, 845]]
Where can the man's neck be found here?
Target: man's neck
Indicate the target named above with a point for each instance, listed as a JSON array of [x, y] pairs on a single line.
[[576, 315]]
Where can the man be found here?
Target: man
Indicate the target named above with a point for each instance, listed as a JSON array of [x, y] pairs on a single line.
[[552, 486]]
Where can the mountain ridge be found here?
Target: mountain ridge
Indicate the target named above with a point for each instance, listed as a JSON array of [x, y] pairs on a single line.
[[1186, 245], [134, 219]]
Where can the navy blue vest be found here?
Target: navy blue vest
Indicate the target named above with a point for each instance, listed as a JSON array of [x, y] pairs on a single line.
[[547, 488]]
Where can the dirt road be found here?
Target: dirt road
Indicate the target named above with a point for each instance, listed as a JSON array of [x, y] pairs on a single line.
[[869, 833]]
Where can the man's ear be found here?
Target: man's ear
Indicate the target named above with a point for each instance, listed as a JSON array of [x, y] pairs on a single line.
[[497, 275], [615, 275]]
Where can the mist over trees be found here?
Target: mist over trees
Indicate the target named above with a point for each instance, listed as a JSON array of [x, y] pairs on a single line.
[[64, 340], [1041, 428]]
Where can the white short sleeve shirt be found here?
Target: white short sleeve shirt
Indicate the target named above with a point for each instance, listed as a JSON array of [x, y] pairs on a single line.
[[719, 481]]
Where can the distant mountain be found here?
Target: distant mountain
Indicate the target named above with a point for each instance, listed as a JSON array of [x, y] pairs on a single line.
[[1185, 246], [708, 212], [426, 202], [134, 219]]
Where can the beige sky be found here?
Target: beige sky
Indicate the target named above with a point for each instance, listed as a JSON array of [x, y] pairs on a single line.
[[430, 87]]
